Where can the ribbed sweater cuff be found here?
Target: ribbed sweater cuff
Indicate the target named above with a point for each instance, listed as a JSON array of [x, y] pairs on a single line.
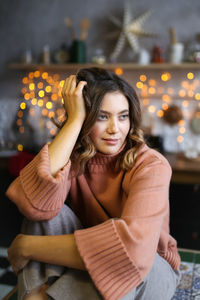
[[107, 261], [40, 186], [172, 257]]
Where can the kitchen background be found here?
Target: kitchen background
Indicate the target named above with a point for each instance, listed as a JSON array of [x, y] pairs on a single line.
[[165, 33], [158, 53]]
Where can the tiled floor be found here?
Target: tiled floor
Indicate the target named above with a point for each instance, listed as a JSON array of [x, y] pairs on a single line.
[[7, 278], [189, 286]]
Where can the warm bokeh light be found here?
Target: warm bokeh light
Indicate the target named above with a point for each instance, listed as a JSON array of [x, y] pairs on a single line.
[[22, 105], [182, 130], [52, 131], [152, 109], [31, 75], [145, 102], [197, 96], [40, 85], [181, 123], [180, 139], [20, 147], [165, 76], [49, 105], [185, 84], [41, 94], [27, 96], [139, 85], [143, 78], [62, 83], [25, 80], [166, 98], [48, 88], [185, 103], [190, 94], [20, 114], [152, 90], [44, 112], [119, 71], [40, 103], [24, 90], [45, 75], [19, 122], [34, 101], [165, 106], [32, 86], [21, 129], [197, 114], [190, 75], [54, 97], [51, 114], [37, 74], [182, 93], [160, 113], [152, 82]]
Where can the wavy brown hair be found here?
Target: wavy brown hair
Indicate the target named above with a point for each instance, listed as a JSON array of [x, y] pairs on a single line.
[[99, 83]]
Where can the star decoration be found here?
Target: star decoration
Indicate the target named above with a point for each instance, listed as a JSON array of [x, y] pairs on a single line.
[[130, 30]]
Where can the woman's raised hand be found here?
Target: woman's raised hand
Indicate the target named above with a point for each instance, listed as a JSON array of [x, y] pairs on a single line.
[[73, 99]]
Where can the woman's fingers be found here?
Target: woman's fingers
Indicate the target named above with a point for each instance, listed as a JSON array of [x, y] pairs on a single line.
[[67, 84]]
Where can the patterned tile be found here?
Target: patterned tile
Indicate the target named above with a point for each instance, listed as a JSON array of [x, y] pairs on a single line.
[[7, 278]]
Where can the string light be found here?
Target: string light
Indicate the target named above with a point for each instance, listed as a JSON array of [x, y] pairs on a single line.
[[180, 139], [182, 130], [119, 71], [143, 78], [190, 75], [197, 96], [139, 85], [20, 147], [23, 105], [160, 113]]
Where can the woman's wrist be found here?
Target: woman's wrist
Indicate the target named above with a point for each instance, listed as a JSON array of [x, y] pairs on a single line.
[[77, 120], [28, 246]]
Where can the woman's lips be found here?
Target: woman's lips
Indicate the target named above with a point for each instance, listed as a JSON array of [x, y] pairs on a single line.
[[111, 141]]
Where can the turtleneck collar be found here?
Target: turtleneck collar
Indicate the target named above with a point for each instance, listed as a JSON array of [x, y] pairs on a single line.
[[105, 159]]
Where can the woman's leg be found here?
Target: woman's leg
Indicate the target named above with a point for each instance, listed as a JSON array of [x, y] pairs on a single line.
[[35, 274], [159, 284]]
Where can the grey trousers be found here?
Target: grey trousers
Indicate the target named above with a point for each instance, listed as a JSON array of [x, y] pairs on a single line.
[[65, 283]]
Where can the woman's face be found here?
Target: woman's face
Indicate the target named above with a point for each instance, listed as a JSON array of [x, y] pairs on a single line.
[[112, 125]]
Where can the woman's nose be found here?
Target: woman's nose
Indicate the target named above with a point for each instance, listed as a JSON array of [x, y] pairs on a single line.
[[112, 126]]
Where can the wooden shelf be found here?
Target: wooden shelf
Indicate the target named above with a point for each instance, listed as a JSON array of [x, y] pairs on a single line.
[[109, 66]]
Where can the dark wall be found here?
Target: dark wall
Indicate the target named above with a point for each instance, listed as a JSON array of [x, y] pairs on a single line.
[[32, 24]]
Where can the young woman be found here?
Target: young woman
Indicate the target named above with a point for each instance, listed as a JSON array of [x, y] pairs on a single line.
[[113, 242]]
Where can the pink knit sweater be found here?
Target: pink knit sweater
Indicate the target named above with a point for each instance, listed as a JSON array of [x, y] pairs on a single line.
[[125, 214]]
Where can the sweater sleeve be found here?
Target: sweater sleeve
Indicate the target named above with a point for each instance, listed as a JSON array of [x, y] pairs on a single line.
[[39, 195], [120, 252]]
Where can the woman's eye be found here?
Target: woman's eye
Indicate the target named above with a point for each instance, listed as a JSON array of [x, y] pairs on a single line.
[[124, 117], [102, 117]]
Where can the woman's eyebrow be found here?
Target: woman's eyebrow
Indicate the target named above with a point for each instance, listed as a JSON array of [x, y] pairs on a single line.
[[119, 113]]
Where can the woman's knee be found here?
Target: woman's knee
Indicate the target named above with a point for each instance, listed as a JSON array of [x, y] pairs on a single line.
[[65, 222]]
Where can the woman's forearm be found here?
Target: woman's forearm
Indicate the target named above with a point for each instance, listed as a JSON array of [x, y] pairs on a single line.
[[57, 249], [61, 147]]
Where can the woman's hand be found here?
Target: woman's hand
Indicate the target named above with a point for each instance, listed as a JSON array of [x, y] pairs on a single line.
[[17, 253], [73, 98]]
